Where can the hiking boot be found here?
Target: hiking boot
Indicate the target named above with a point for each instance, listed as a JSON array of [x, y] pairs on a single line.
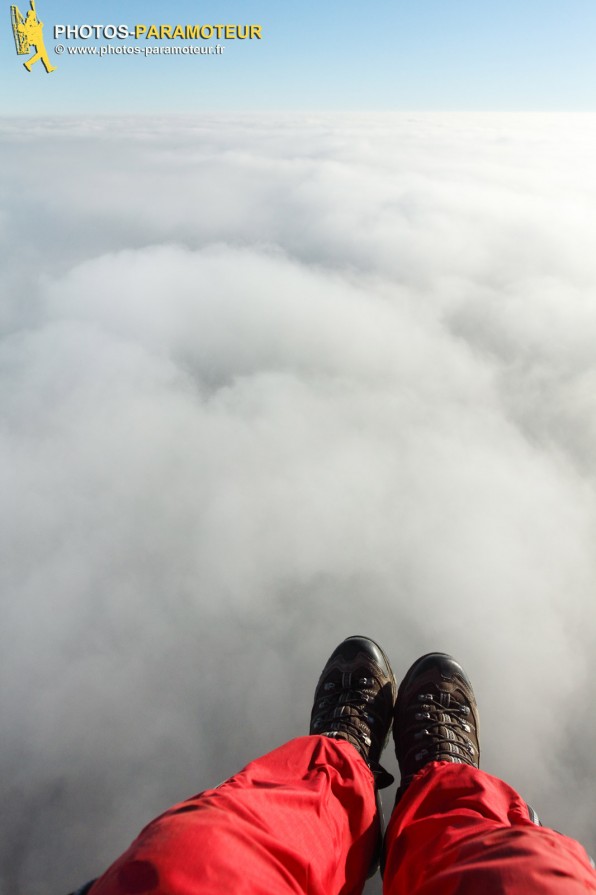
[[436, 717], [354, 701]]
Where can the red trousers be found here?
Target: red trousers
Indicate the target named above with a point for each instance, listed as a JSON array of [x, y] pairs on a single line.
[[302, 819]]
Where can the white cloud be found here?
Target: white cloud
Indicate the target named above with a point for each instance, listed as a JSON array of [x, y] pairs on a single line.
[[266, 384]]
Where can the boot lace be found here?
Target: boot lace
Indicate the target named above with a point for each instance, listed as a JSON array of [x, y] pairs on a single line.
[[344, 708], [348, 710], [445, 734]]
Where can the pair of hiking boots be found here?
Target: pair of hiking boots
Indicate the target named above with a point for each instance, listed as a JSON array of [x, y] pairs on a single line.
[[433, 715]]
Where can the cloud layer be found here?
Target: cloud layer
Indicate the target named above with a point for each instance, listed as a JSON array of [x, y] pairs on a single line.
[[266, 384]]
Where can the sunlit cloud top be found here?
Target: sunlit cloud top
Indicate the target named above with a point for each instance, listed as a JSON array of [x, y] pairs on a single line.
[[267, 382]]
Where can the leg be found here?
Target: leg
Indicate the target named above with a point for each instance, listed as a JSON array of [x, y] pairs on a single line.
[[31, 61], [302, 819], [458, 830], [46, 63]]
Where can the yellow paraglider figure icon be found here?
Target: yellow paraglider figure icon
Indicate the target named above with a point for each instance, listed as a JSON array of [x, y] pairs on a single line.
[[29, 33]]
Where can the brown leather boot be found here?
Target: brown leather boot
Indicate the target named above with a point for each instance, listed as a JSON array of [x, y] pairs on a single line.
[[354, 700], [436, 717]]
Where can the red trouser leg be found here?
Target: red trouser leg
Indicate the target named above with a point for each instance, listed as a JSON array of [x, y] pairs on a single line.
[[459, 831], [300, 819]]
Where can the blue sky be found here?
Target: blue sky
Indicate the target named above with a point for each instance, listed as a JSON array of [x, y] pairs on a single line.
[[420, 54]]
